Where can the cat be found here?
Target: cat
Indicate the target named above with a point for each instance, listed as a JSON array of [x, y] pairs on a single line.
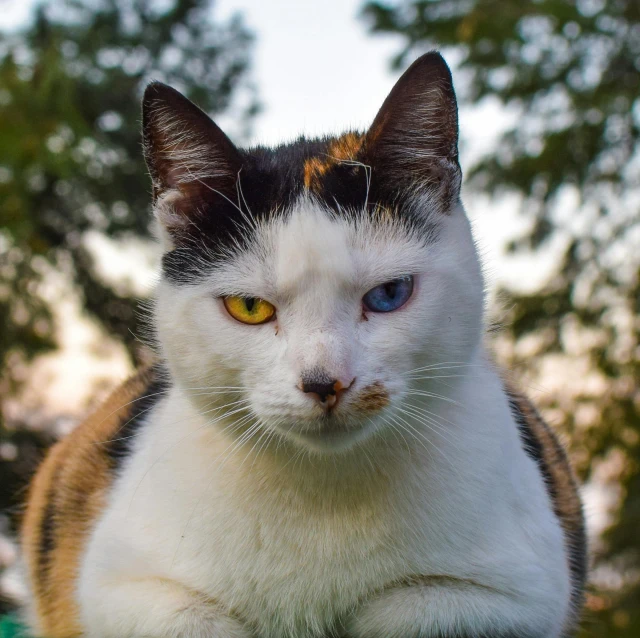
[[324, 446]]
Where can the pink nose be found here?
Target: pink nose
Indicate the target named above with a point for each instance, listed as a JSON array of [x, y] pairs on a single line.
[[327, 393]]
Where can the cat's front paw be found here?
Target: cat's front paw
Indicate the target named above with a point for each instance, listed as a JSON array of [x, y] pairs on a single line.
[[441, 609], [207, 621], [387, 615], [155, 608]]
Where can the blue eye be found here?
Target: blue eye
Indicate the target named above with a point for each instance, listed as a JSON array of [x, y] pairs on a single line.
[[389, 296]]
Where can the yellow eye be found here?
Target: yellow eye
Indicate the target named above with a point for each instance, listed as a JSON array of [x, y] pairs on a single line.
[[249, 309]]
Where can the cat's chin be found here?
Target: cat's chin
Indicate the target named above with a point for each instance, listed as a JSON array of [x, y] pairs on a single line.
[[330, 441]]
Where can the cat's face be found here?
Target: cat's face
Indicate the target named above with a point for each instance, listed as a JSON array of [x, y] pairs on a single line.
[[303, 286]]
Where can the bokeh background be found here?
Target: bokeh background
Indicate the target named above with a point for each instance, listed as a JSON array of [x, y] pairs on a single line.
[[550, 120]]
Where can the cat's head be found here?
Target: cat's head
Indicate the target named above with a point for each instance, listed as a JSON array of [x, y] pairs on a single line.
[[308, 283]]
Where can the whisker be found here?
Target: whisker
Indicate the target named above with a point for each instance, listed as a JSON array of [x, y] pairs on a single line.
[[124, 438], [433, 395], [267, 433], [235, 388], [367, 173], [436, 428], [263, 433], [155, 394], [395, 432], [440, 376], [251, 219], [197, 179], [432, 414], [443, 366], [397, 423], [431, 443], [124, 405]]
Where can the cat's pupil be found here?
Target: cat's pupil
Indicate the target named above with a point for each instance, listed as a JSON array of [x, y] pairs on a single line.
[[250, 302], [391, 289]]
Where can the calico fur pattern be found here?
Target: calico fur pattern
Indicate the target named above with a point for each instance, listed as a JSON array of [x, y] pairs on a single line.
[[210, 497]]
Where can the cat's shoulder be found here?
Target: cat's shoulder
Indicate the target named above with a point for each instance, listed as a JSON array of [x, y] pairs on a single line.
[[116, 422], [69, 489], [542, 444]]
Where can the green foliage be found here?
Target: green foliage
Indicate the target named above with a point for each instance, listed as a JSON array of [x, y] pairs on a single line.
[[70, 156], [570, 70], [11, 628]]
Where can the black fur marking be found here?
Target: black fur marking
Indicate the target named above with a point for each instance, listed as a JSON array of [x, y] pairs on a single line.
[[270, 182], [576, 541], [119, 448], [47, 532], [209, 193], [532, 445]]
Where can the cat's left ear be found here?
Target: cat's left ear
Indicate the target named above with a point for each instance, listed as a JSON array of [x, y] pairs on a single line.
[[190, 159], [413, 141]]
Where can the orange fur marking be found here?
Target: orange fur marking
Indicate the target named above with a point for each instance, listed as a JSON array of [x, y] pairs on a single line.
[[372, 398], [314, 169], [65, 498], [344, 148]]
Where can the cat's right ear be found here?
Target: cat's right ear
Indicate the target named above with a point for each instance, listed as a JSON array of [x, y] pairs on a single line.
[[190, 160]]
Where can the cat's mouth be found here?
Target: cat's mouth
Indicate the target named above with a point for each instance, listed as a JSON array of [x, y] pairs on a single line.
[[349, 422], [365, 401]]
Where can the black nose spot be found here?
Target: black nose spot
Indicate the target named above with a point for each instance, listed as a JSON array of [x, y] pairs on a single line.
[[322, 389]]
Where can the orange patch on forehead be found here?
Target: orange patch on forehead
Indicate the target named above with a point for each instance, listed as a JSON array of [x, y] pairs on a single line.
[[343, 148], [314, 169], [346, 147]]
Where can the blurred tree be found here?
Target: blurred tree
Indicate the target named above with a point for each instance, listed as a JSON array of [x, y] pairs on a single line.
[[70, 156], [570, 69], [71, 161]]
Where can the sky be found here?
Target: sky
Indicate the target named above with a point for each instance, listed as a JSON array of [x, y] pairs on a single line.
[[317, 70]]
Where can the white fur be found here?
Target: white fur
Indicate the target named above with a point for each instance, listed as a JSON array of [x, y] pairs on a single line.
[[215, 529]]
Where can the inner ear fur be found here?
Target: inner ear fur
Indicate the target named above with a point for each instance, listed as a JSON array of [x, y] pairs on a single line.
[[413, 141], [189, 158]]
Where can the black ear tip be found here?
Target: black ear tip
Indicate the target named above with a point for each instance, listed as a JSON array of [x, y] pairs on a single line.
[[430, 69], [152, 92], [153, 88], [159, 92], [434, 62], [435, 56]]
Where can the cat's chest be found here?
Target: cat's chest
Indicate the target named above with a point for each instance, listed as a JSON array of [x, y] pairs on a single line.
[[284, 527], [294, 548], [303, 559], [258, 541]]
